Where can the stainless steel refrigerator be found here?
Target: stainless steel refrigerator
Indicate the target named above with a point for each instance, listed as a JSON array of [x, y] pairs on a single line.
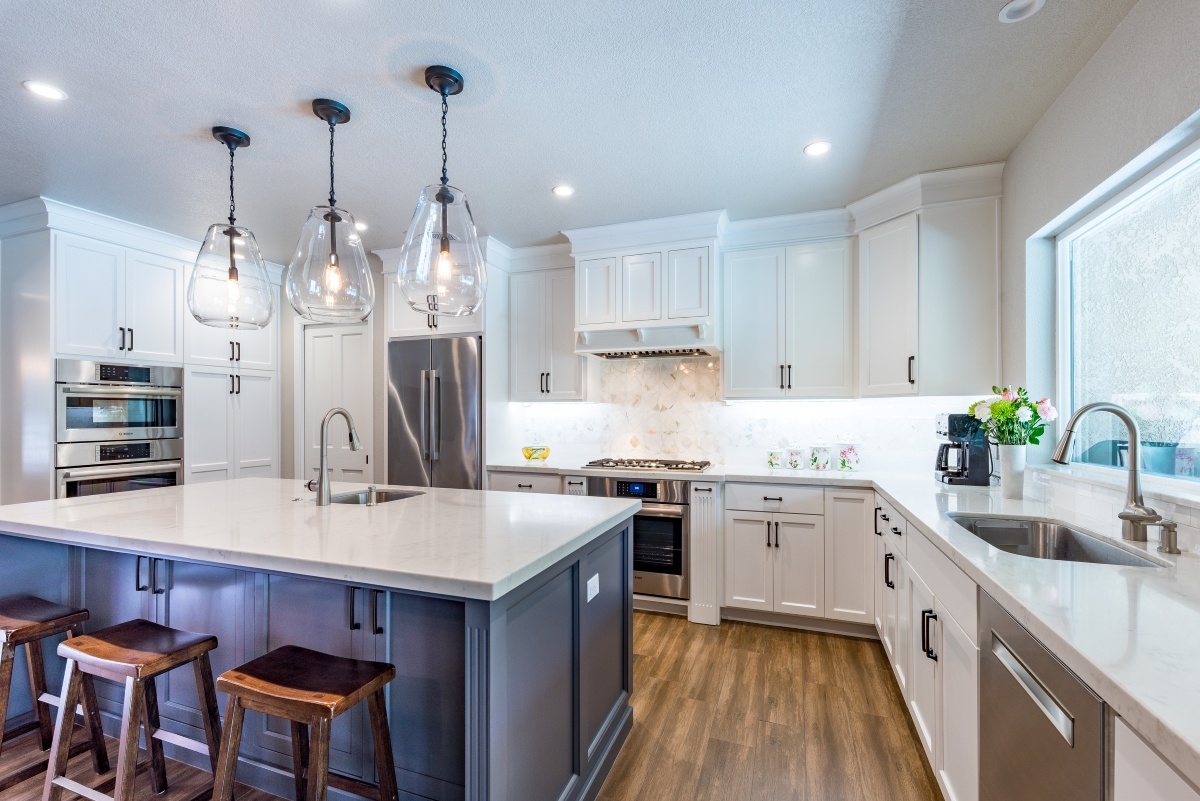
[[434, 418]]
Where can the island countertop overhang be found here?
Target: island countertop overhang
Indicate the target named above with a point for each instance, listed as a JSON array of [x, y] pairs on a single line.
[[460, 543]]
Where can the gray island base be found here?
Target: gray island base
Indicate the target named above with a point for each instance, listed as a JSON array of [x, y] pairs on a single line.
[[512, 684]]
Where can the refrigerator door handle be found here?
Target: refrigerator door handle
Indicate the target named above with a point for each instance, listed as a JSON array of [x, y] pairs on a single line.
[[435, 415], [424, 414]]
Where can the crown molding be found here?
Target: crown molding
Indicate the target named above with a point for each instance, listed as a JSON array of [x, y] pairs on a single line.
[[541, 257], [928, 189], [685, 227], [41, 213], [808, 226]]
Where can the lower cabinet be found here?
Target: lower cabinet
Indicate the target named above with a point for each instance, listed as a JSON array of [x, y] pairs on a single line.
[[574, 485], [1140, 774], [231, 424], [544, 483], [923, 678], [849, 551], [775, 562]]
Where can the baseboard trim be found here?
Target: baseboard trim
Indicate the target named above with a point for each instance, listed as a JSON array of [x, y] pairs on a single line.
[[803, 623], [647, 603]]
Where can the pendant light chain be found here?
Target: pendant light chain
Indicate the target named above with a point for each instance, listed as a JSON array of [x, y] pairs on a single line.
[[232, 150], [445, 110], [331, 196]]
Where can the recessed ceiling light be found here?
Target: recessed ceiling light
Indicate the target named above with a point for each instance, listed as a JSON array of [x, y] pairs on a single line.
[[45, 90], [818, 148], [562, 190], [360, 225], [1018, 10]]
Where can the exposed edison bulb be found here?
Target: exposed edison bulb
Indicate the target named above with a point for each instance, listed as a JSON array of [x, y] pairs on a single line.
[[333, 276], [444, 264], [234, 289]]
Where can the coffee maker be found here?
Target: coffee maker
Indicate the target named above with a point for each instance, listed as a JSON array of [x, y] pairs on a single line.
[[964, 454]]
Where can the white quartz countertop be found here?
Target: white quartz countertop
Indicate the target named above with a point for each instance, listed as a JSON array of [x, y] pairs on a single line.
[[463, 543], [1131, 633]]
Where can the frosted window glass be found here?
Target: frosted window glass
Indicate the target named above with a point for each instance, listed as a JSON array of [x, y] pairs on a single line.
[[1135, 328]]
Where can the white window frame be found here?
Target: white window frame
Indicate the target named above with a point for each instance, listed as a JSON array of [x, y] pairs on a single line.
[[1118, 202]]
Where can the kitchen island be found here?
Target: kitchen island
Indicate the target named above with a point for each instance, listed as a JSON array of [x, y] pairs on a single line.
[[508, 618]]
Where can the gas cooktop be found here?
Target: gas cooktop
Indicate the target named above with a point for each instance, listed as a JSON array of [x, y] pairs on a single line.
[[649, 464]]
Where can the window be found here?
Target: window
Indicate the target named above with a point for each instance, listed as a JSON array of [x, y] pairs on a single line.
[[1130, 307]]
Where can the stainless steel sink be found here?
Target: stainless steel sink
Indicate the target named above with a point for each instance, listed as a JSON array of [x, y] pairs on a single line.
[[381, 496], [1047, 539]]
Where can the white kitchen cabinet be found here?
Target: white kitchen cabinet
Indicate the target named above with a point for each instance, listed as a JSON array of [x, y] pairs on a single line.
[[789, 322], [888, 307], [775, 562], [896, 613], [115, 303], [596, 291], [689, 284], [880, 548], [749, 575], [574, 485], [402, 321], [1140, 774], [539, 483], [958, 736], [641, 287], [231, 424], [253, 349], [923, 678], [542, 361], [849, 555]]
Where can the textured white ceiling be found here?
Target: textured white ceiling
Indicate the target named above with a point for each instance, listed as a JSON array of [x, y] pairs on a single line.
[[647, 107]]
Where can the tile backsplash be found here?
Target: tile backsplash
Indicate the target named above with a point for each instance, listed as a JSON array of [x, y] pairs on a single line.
[[673, 408]]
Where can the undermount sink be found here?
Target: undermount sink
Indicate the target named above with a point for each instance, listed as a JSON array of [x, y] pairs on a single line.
[[381, 496], [1046, 539]]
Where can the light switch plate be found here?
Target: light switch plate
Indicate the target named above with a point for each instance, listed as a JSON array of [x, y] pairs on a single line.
[[593, 587]]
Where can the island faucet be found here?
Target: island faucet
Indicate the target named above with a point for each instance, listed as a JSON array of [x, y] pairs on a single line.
[[320, 484], [1136, 517]]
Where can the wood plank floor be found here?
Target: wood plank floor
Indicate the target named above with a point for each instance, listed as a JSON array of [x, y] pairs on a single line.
[[742, 712]]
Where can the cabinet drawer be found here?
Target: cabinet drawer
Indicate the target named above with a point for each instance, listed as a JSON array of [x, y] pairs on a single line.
[[545, 483], [775, 498], [952, 587], [892, 524]]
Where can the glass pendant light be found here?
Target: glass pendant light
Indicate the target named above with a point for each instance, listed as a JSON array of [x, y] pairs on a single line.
[[329, 280], [229, 287], [441, 268]]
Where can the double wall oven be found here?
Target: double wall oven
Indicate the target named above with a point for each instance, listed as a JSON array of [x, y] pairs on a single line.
[[661, 532], [119, 427]]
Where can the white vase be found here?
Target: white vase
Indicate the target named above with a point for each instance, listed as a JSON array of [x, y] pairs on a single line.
[[1012, 471]]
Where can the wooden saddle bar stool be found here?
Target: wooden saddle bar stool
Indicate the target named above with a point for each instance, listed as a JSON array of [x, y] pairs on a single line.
[[132, 654], [25, 621], [309, 689]]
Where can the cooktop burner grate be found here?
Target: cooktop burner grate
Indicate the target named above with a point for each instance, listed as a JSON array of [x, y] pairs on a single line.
[[650, 464]]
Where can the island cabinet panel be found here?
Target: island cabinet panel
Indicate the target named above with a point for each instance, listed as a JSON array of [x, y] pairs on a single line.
[[116, 588], [605, 687], [29, 567]]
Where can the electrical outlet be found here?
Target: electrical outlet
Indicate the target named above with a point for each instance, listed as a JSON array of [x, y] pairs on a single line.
[[593, 587]]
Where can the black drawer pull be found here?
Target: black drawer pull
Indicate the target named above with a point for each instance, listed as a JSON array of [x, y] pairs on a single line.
[[776, 535], [884, 518], [887, 570], [911, 359], [779, 499], [574, 483], [897, 532], [122, 328], [701, 489], [768, 533], [138, 586], [878, 533], [354, 624], [154, 588], [524, 486], [375, 627], [926, 616]]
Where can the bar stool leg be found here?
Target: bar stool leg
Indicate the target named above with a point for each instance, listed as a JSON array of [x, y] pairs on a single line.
[[300, 758], [91, 719], [318, 760], [37, 686], [60, 748], [231, 743], [158, 761], [7, 655], [385, 764], [212, 715], [131, 719]]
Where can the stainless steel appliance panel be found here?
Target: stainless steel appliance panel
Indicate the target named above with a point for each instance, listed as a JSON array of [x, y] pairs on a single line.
[[661, 532], [90, 413], [407, 414], [1041, 729], [78, 371], [83, 454], [78, 482], [455, 401]]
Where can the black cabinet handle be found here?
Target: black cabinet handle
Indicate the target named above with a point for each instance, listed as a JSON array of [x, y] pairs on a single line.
[[911, 359], [239, 386], [768, 533], [701, 489], [231, 351], [574, 483], [230, 385], [789, 376], [524, 486], [547, 383], [887, 570], [878, 509], [354, 624], [122, 330], [884, 518], [130, 348], [779, 499], [926, 639], [897, 532], [154, 588], [776, 535], [138, 586], [781, 376], [239, 351], [375, 627]]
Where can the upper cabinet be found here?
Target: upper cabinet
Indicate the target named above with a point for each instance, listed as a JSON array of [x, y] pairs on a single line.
[[543, 364], [401, 320], [116, 303], [789, 321], [887, 311], [256, 349]]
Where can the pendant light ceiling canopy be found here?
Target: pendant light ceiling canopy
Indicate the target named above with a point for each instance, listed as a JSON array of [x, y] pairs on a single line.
[[329, 280], [229, 287], [442, 270]]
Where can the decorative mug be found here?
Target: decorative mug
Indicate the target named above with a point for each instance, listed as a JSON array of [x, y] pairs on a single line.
[[774, 459], [796, 458], [819, 460], [849, 455]]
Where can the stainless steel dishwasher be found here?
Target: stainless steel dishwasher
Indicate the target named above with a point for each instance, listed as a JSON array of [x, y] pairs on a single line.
[[1041, 729]]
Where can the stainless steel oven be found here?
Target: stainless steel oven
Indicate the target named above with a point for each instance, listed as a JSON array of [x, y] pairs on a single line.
[[99, 468], [98, 402], [661, 532]]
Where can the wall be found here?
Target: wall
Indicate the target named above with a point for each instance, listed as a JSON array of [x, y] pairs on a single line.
[[673, 408], [1131, 106]]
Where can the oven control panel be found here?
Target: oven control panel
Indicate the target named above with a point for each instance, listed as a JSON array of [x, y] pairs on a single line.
[[637, 489], [123, 373], [118, 453]]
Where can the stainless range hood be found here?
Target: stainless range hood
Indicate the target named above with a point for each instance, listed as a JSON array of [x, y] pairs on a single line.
[[650, 342], [665, 353]]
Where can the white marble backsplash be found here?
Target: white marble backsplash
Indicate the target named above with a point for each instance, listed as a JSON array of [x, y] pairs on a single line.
[[672, 408]]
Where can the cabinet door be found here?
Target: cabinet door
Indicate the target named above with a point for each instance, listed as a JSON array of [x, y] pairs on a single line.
[[402, 319], [575, 485], [89, 297], [748, 563], [820, 320], [902, 661], [596, 291], [565, 370], [527, 336], [116, 588], [880, 587], [1140, 774], [799, 564], [256, 425], [208, 424], [258, 350], [688, 283], [887, 312], [153, 307], [323, 616], [958, 749], [923, 678], [641, 287], [207, 345], [754, 358], [207, 599], [849, 551]]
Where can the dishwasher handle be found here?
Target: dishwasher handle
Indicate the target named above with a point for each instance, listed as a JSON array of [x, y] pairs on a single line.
[[1059, 718]]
